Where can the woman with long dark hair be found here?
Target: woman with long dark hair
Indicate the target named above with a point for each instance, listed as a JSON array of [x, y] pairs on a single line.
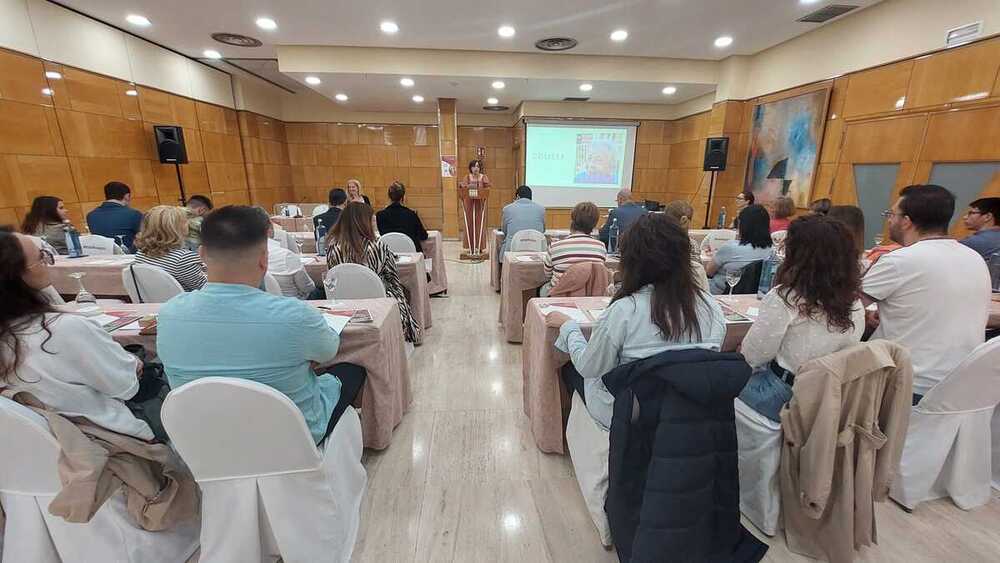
[[752, 244], [46, 219], [658, 307], [66, 361], [352, 240], [812, 311]]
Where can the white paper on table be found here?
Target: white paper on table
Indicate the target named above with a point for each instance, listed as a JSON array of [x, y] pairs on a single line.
[[528, 258], [307, 259], [571, 312], [404, 259], [131, 326], [752, 312], [103, 319], [336, 322]]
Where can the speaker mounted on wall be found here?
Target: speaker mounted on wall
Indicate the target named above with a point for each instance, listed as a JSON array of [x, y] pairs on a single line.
[[716, 152], [170, 144]]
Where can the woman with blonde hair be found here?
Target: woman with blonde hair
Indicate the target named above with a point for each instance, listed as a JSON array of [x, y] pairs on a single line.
[[160, 243], [352, 240], [354, 194]]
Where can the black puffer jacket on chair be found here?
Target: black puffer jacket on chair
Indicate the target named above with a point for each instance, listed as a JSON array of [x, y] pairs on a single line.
[[674, 483]]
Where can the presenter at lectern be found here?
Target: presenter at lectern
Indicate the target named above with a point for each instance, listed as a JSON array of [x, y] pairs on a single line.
[[476, 179]]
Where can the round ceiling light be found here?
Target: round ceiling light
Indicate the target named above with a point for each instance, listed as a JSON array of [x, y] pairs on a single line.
[[136, 19], [406, 82], [211, 54], [499, 85], [267, 24], [313, 80], [619, 35], [388, 27], [418, 99], [556, 44], [236, 40], [506, 31], [341, 97], [586, 87], [670, 90], [492, 101], [723, 41]]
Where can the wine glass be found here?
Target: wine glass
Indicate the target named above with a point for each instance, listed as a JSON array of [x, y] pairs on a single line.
[[878, 239], [83, 296], [733, 278], [330, 284]]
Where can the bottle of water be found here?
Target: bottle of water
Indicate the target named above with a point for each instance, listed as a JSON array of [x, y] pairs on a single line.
[[722, 218], [73, 247], [613, 237], [767, 273], [320, 235], [993, 263]]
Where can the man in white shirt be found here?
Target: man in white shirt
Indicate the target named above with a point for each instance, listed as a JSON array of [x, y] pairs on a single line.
[[280, 260], [933, 294]]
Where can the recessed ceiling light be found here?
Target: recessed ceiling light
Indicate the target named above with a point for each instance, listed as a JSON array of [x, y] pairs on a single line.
[[341, 97], [47, 91], [388, 27], [131, 93], [267, 24], [406, 82], [418, 98], [53, 75], [212, 54], [670, 90], [723, 41], [499, 85], [136, 19], [506, 31], [315, 81], [585, 87], [619, 35], [492, 101]]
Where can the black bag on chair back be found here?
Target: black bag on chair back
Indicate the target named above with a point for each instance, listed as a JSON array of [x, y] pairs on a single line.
[[750, 280]]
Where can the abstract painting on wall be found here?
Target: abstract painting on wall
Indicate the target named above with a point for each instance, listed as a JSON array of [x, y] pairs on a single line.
[[785, 138]]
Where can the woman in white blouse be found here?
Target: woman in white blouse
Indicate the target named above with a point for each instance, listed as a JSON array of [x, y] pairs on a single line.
[[66, 361], [812, 311], [659, 307]]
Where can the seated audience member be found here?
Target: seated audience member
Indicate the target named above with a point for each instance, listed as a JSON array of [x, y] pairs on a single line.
[[752, 244], [354, 194], [578, 248], [114, 218], [820, 206], [743, 199], [233, 329], [197, 207], [854, 219], [352, 240], [66, 361], [46, 220], [161, 243], [338, 199], [280, 260], [626, 213], [682, 212], [933, 294], [983, 219], [813, 310], [397, 218], [784, 208], [520, 215], [657, 308]]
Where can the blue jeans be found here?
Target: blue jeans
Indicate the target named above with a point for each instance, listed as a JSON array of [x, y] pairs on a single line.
[[766, 393]]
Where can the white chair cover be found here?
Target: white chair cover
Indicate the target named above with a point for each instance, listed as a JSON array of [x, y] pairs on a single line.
[[947, 451], [150, 284], [995, 432], [354, 281], [98, 245], [293, 279], [43, 244], [266, 489], [589, 446], [398, 242], [759, 447], [319, 209], [271, 285], [716, 238], [528, 240], [29, 480]]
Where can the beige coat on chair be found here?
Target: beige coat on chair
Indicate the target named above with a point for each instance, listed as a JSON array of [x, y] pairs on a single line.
[[844, 431]]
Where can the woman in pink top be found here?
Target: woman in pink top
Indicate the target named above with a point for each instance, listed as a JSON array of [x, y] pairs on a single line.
[[782, 210]]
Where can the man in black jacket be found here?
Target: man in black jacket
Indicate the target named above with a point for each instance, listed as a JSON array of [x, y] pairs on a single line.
[[338, 198], [397, 218]]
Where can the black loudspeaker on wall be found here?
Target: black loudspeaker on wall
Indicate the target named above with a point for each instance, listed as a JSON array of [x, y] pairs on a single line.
[[170, 144], [716, 150]]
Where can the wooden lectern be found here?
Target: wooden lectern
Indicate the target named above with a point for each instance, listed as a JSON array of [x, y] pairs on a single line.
[[473, 197]]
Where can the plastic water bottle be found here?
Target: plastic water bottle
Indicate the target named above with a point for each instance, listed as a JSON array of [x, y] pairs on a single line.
[[73, 247], [993, 262], [767, 273], [722, 218], [613, 237], [320, 235]]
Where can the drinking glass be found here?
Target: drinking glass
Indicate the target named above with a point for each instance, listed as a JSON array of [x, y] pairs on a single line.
[[733, 278], [83, 296], [330, 284], [878, 239]]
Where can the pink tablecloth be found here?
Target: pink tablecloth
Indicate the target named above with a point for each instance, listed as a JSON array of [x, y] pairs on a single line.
[[544, 393], [433, 248], [294, 224], [376, 346], [411, 274], [103, 274], [520, 281]]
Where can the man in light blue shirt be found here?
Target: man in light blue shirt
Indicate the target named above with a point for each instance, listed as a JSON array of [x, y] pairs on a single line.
[[230, 328], [521, 215]]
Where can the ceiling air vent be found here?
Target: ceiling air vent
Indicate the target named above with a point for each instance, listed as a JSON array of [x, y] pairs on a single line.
[[236, 40], [496, 108], [828, 13], [963, 34], [576, 99], [556, 44]]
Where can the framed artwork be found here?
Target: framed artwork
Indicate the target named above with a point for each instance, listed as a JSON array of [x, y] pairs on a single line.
[[785, 139]]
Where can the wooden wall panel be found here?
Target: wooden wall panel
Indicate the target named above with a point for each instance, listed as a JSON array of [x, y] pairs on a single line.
[[956, 75], [879, 90]]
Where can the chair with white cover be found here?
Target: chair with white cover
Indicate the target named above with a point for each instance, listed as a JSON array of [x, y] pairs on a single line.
[[292, 243], [320, 209], [398, 242], [29, 480], [95, 245], [588, 450], [267, 491], [528, 240], [353, 281], [759, 450], [293, 280], [271, 285], [149, 284], [715, 238], [947, 450]]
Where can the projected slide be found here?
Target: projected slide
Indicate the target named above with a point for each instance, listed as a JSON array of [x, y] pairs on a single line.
[[566, 164]]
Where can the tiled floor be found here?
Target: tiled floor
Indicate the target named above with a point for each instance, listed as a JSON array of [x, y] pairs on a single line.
[[464, 482]]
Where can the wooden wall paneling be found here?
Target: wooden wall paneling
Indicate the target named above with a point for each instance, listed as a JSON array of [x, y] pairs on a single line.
[[880, 90], [448, 145], [28, 129], [955, 75], [22, 79], [968, 135], [884, 140]]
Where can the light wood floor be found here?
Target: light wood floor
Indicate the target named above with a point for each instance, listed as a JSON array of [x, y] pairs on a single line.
[[463, 480]]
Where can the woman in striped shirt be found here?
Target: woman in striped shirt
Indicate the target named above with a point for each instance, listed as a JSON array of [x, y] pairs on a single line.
[[578, 248], [160, 243]]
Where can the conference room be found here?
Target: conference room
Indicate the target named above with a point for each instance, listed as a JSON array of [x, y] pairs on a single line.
[[710, 280]]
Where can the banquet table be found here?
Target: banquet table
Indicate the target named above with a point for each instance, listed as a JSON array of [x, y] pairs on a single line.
[[377, 346], [102, 274], [412, 275], [294, 224], [545, 396]]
